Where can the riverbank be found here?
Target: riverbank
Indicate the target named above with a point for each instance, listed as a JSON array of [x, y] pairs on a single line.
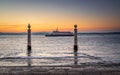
[[61, 70]]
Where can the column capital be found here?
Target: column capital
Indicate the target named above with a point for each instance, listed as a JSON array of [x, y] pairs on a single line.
[[75, 25], [29, 26]]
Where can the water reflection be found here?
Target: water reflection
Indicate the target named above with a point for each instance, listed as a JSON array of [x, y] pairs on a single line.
[[75, 58], [28, 59]]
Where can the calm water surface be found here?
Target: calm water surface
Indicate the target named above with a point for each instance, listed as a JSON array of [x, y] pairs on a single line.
[[93, 48]]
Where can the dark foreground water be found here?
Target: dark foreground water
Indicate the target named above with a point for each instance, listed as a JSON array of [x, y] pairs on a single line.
[[93, 48]]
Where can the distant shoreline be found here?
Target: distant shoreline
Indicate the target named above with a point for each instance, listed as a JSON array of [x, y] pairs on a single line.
[[43, 33]]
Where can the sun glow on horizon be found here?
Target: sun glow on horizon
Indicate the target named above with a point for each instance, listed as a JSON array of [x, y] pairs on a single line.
[[46, 16]]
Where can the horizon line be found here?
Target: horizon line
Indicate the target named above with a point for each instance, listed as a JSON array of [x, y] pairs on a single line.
[[78, 32]]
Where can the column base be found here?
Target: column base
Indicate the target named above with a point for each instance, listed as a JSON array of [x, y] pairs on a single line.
[[75, 48], [28, 47]]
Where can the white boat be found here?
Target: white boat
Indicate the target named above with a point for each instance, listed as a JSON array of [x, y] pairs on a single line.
[[59, 33]]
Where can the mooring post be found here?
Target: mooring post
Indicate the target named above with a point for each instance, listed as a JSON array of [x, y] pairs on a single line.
[[75, 38], [29, 38]]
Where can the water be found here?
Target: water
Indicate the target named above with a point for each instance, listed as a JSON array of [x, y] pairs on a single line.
[[93, 48]]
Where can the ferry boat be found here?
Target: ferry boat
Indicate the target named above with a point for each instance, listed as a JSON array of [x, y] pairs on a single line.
[[59, 33]]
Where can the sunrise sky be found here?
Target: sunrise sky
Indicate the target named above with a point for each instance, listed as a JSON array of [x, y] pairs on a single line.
[[47, 15]]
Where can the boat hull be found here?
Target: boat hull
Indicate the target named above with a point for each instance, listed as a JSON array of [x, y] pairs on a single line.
[[57, 35]]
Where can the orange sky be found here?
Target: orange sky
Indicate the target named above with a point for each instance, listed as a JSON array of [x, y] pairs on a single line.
[[44, 24], [47, 16]]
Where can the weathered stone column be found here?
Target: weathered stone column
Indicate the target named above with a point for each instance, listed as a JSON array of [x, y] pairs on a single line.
[[29, 38], [29, 46], [75, 38]]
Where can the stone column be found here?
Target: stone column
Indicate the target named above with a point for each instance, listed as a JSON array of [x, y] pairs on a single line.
[[75, 38], [29, 38]]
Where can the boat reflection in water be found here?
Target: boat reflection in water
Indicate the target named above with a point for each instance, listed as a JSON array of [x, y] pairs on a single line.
[[59, 33]]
